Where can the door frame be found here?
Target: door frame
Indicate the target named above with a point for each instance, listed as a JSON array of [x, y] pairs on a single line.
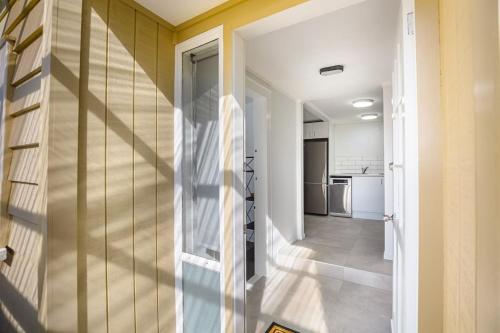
[[263, 229], [199, 40], [409, 316], [407, 275], [411, 177]]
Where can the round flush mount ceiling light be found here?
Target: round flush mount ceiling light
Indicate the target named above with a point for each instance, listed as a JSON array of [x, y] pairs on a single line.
[[331, 70], [369, 116], [363, 103]]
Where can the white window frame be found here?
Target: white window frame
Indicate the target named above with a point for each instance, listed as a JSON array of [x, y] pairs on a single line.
[[180, 257]]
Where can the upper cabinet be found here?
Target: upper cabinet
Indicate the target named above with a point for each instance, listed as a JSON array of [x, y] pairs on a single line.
[[318, 130]]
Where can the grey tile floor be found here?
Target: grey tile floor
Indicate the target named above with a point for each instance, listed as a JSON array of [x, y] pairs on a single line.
[[318, 304], [352, 243], [315, 303]]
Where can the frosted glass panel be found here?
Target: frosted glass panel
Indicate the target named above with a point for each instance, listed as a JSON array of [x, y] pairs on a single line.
[[201, 299], [200, 160]]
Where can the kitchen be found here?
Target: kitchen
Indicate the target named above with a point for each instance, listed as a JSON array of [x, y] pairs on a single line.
[[352, 154], [346, 160]]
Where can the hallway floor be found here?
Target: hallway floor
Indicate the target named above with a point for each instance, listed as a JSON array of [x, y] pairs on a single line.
[[354, 243], [325, 300], [314, 303]]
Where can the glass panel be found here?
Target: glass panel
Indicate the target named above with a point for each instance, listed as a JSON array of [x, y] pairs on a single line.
[[201, 299], [200, 160]]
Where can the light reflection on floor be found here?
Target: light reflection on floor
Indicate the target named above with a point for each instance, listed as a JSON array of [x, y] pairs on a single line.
[[314, 303]]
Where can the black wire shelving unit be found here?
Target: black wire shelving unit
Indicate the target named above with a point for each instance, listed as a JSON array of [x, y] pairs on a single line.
[[250, 214]]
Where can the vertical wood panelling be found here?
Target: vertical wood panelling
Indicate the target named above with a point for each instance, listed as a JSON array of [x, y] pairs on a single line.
[[129, 178], [486, 68], [460, 169], [146, 295], [469, 69], [119, 168], [96, 170], [62, 172], [110, 169], [165, 176], [430, 141]]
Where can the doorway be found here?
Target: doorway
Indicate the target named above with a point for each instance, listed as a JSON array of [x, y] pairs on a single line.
[[258, 230], [312, 274]]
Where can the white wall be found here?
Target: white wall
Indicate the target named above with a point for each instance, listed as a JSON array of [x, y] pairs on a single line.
[[358, 145], [284, 116], [331, 149]]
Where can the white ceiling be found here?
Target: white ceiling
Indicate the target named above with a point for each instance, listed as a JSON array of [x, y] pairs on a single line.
[[179, 11], [360, 37]]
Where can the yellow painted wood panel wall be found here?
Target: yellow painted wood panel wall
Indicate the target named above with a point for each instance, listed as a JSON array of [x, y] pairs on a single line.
[[87, 186], [127, 145], [469, 91], [23, 186], [430, 123]]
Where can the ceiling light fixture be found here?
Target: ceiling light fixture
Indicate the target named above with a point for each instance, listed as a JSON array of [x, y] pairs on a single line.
[[363, 103], [331, 70], [369, 116]]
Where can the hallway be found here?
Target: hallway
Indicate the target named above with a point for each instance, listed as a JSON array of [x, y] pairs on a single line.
[[354, 243], [312, 289]]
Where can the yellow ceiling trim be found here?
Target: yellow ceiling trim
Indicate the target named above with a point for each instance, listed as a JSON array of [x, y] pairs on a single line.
[[232, 15], [212, 12]]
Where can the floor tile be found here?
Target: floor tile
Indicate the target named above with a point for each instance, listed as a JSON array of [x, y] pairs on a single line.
[[300, 297]]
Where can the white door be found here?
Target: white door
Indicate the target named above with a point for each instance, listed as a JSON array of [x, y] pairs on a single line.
[[405, 173], [398, 182], [198, 191]]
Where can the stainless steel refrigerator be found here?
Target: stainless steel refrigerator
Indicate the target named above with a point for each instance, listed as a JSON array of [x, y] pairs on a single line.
[[316, 176]]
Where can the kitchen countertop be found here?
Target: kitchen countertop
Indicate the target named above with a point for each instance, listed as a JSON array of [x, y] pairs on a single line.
[[358, 175]]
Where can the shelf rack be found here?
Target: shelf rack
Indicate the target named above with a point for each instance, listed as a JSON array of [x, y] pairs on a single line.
[[250, 198]]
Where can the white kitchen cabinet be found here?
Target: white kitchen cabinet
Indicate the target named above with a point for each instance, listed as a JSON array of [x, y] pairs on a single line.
[[318, 130], [368, 197]]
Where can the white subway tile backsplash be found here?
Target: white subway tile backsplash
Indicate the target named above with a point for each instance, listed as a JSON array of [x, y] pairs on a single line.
[[353, 164]]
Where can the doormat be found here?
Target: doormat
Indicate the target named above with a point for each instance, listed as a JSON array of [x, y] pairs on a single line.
[[277, 328]]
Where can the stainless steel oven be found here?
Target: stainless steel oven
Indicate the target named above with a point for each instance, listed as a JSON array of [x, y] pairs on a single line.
[[340, 196]]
